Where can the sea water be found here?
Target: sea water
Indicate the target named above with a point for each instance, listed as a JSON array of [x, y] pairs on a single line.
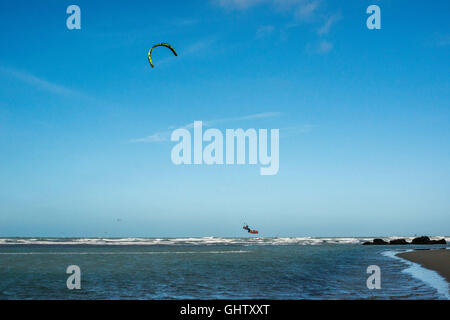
[[211, 268]]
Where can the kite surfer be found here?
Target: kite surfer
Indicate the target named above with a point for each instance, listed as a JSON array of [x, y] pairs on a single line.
[[246, 227]]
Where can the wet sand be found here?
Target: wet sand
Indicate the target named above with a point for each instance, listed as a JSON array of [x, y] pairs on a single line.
[[437, 260]]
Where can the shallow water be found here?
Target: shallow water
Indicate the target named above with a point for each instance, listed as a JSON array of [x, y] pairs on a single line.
[[208, 268]]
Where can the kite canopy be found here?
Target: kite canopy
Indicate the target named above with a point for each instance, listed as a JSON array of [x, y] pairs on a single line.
[[160, 45]]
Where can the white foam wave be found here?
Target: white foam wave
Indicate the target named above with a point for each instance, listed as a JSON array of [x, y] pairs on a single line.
[[430, 277], [194, 241], [125, 253], [179, 241]]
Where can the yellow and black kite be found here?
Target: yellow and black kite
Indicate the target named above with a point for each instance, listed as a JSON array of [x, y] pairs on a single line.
[[160, 45]]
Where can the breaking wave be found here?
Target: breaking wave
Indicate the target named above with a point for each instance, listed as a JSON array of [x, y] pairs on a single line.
[[193, 241], [430, 277]]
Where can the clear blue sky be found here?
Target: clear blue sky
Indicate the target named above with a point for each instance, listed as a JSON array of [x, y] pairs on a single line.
[[364, 117]]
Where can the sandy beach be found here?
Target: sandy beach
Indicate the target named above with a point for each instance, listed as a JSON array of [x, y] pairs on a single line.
[[437, 260]]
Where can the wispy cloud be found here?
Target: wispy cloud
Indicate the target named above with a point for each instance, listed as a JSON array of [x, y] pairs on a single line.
[[198, 46], [183, 22], [296, 130], [324, 46], [320, 47], [156, 137], [302, 9], [162, 136], [307, 10], [311, 12], [264, 31], [325, 28], [43, 84], [239, 4], [38, 82], [192, 49], [252, 116]]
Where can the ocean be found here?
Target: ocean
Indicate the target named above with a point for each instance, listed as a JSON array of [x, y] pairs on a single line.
[[211, 268]]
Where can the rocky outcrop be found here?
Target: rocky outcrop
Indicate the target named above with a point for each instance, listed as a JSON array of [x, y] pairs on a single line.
[[376, 242], [427, 240], [398, 241], [421, 240], [441, 241], [418, 240]]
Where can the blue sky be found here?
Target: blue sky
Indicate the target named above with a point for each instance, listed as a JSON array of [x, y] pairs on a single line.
[[364, 117]]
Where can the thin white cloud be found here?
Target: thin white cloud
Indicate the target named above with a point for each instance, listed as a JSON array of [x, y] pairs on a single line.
[[296, 130], [325, 28], [324, 46], [239, 4], [303, 9], [190, 50], [156, 137], [198, 46], [183, 22], [264, 31], [249, 117], [37, 82], [162, 136], [311, 12], [307, 10], [261, 115], [320, 47]]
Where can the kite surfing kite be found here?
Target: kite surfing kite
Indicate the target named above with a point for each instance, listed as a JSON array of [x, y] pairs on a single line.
[[160, 45], [246, 227]]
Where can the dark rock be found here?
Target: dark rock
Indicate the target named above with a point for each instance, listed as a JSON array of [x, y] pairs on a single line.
[[375, 242], [398, 241], [379, 241], [418, 240], [441, 241], [421, 240], [426, 240]]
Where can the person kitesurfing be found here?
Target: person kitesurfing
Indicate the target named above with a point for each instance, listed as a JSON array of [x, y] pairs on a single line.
[[246, 227]]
